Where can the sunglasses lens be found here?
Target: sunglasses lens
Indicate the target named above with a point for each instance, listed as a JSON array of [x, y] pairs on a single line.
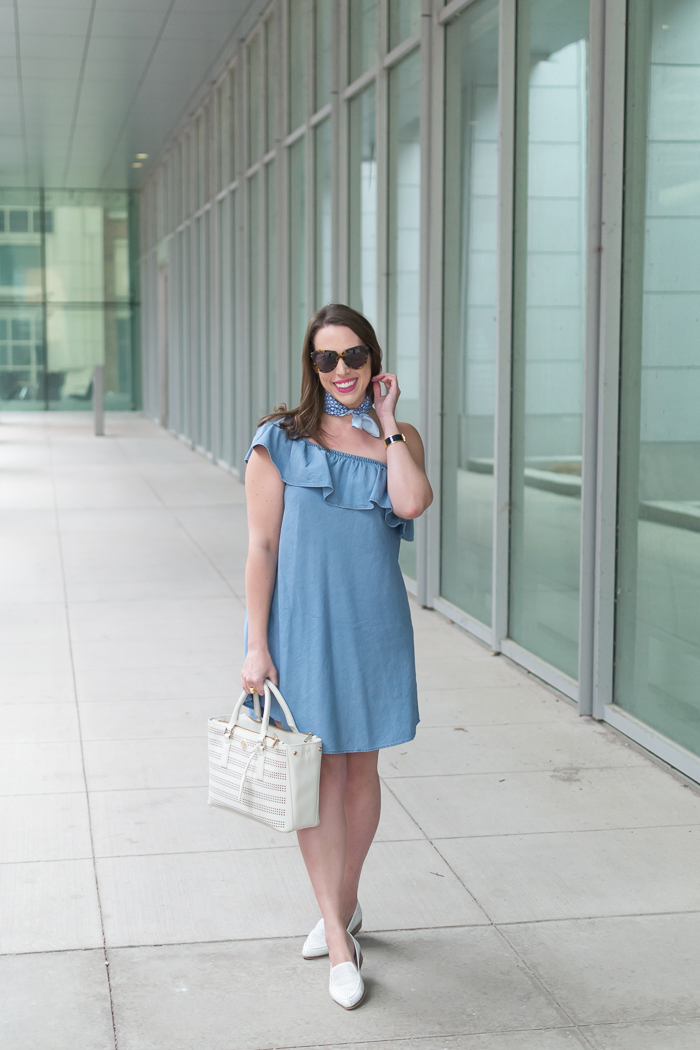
[[356, 358], [326, 362]]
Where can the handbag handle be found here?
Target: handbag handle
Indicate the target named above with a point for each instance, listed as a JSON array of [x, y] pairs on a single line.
[[269, 688]]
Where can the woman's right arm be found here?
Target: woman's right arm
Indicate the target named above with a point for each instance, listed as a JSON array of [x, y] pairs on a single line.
[[265, 496]]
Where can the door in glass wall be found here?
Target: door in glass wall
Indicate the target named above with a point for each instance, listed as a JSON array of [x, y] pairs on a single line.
[[362, 211], [470, 295], [657, 639], [404, 246], [548, 328]]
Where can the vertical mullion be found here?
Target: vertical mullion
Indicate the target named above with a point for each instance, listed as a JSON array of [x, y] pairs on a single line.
[[382, 118], [429, 588], [426, 376], [502, 436], [590, 364], [609, 366]]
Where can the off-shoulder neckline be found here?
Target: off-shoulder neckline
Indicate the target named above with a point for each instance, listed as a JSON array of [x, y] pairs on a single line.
[[348, 455]]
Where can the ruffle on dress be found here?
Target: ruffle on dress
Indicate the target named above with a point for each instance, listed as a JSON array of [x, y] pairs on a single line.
[[347, 481]]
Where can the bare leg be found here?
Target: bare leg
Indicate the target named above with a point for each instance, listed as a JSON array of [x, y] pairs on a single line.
[[362, 809], [324, 849]]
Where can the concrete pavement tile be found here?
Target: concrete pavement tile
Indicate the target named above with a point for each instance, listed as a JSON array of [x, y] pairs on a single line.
[[509, 748], [492, 705], [40, 767], [426, 983], [86, 453], [134, 719], [84, 487], [608, 971], [112, 765], [26, 522], [144, 449], [27, 490], [524, 878], [193, 484], [157, 683], [129, 521], [58, 1000], [132, 587], [407, 885], [198, 649], [238, 895], [654, 1035], [48, 906], [51, 656], [453, 672], [44, 827], [537, 1039], [565, 800], [116, 619], [30, 569], [38, 687], [178, 820], [248, 894], [43, 620], [23, 723]]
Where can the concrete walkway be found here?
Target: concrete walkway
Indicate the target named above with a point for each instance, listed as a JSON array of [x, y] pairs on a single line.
[[534, 885]]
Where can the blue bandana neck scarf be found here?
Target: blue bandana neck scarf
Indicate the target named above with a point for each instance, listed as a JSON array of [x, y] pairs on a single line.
[[361, 419]]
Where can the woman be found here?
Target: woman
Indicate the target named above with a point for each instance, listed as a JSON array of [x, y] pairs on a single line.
[[332, 486]]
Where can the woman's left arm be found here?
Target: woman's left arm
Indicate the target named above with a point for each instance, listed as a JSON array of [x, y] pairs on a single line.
[[407, 483]]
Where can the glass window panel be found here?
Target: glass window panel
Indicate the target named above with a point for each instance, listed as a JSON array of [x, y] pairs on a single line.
[[324, 258], [254, 100], [299, 13], [470, 292], [363, 36], [363, 203], [657, 637], [221, 135], [323, 31], [23, 379], [232, 159], [404, 20], [271, 271], [204, 347], [272, 68], [257, 390], [298, 306], [404, 245], [228, 303], [549, 316]]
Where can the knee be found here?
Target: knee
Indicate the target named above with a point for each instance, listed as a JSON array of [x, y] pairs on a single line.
[[362, 773]]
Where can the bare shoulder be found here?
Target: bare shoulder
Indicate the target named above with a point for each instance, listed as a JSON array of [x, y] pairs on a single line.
[[414, 442]]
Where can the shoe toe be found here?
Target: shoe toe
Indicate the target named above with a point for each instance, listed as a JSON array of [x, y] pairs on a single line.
[[315, 944], [346, 985]]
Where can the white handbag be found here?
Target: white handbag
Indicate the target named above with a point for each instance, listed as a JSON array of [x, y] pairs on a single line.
[[268, 774]]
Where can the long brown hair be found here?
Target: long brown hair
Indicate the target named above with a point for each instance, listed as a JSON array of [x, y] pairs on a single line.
[[305, 421]]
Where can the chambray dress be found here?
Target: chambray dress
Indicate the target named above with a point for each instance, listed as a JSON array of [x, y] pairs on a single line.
[[340, 631]]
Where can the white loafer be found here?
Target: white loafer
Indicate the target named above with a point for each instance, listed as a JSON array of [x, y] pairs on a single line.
[[315, 944], [345, 982]]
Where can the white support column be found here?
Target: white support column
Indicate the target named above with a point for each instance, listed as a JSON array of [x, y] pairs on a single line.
[[506, 163], [609, 367]]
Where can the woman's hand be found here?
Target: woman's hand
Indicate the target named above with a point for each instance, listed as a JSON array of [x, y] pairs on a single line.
[[385, 404], [257, 667]]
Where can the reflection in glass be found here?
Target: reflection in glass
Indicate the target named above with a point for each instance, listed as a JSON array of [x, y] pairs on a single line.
[[362, 15], [657, 650], [254, 100], [404, 20], [324, 258], [550, 224], [204, 341], [231, 80], [298, 307], [271, 68], [470, 290], [298, 17], [404, 245], [363, 203], [323, 44]]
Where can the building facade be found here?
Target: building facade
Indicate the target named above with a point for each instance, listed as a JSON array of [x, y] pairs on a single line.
[[510, 191]]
